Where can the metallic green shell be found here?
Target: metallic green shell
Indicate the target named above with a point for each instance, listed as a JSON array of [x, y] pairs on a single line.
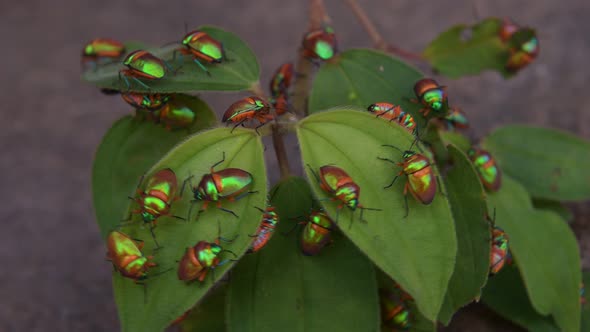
[[177, 115], [230, 182], [435, 99], [146, 63], [208, 255], [205, 44], [324, 50], [121, 245]]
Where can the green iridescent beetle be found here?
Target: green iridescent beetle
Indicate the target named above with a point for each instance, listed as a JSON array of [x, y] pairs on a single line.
[[203, 48], [432, 96], [142, 64], [317, 233], [229, 183], [126, 256], [487, 169], [320, 44]]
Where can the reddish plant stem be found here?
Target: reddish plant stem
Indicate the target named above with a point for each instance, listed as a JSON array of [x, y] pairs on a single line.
[[277, 138], [378, 40]]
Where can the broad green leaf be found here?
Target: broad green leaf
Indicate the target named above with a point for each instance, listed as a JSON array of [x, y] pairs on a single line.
[[586, 306], [280, 289], [239, 72], [167, 296], [546, 252], [458, 140], [466, 195], [126, 152], [463, 50], [418, 251], [418, 322], [209, 315], [555, 206], [551, 164], [505, 293], [361, 77]]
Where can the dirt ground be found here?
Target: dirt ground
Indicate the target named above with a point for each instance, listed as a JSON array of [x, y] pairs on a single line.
[[54, 276]]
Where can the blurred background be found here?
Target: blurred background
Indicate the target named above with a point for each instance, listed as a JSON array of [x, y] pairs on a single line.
[[54, 276]]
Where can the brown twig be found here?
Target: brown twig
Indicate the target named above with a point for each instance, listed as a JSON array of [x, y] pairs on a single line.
[[317, 18], [277, 138], [378, 41]]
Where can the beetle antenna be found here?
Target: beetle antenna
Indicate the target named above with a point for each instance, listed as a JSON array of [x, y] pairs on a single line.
[[393, 146]]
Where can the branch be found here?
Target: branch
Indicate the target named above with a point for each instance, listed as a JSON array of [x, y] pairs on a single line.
[[378, 40], [303, 68], [277, 137]]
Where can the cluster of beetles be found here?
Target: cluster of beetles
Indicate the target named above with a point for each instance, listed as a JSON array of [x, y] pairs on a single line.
[[156, 193]]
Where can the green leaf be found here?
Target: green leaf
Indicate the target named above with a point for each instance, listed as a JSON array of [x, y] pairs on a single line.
[[362, 77], [551, 164], [546, 252], [280, 289], [586, 306], [459, 140], [126, 152], [466, 195], [554, 206], [505, 293], [167, 297], [454, 55], [209, 315], [239, 72], [418, 251]]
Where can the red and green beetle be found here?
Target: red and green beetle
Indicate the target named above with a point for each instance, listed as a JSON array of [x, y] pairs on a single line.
[[249, 108], [281, 80], [456, 119], [144, 65], [420, 174], [199, 259], [317, 233], [320, 44], [145, 101], [432, 96], [485, 165], [228, 183], [101, 51], [270, 220], [394, 113], [156, 198], [499, 251], [176, 115], [524, 49], [126, 256], [395, 313], [341, 187], [203, 48]]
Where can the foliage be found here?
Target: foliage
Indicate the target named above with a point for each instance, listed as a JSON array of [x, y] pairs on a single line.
[[432, 245]]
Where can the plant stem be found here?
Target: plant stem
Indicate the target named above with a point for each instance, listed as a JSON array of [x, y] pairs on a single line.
[[378, 40], [303, 67], [277, 137]]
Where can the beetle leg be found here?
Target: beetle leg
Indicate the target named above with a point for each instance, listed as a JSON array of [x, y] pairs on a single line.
[[315, 175], [154, 236], [190, 181], [392, 182], [387, 159], [406, 199], [195, 60], [260, 125], [218, 163], [242, 195], [141, 83]]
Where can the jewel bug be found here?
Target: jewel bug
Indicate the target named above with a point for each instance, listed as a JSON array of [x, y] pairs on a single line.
[[229, 183], [126, 256], [489, 173], [432, 96], [317, 233], [393, 113], [144, 65], [456, 119], [341, 187], [156, 198], [101, 51], [249, 108], [395, 313], [145, 101], [199, 259], [320, 44], [281, 80], [175, 114], [269, 221], [499, 251], [420, 174], [203, 48], [524, 51]]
